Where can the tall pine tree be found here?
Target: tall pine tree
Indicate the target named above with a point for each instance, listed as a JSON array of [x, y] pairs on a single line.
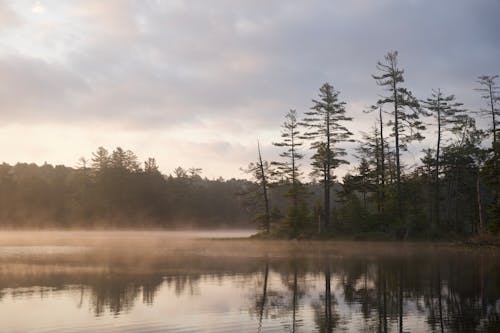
[[447, 113], [406, 125], [289, 168], [490, 91], [326, 131]]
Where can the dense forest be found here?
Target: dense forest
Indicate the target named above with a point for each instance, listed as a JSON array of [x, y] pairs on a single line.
[[453, 191], [113, 190]]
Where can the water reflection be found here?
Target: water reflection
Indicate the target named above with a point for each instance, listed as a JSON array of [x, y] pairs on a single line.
[[449, 293]]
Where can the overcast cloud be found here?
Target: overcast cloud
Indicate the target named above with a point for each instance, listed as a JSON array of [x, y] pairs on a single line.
[[195, 83]]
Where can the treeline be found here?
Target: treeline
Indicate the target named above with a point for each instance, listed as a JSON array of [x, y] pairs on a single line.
[[112, 189], [454, 190]]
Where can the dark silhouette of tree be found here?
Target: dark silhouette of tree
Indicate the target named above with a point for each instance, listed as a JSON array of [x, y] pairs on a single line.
[[289, 171], [371, 150], [405, 123], [461, 162], [100, 159], [113, 190], [447, 113], [150, 166], [326, 131], [490, 91], [377, 146], [179, 172], [261, 172]]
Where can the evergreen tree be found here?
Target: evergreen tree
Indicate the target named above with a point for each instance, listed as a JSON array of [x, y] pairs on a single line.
[[460, 164], [372, 148], [180, 172], [150, 166], [289, 169], [124, 160], [100, 159], [427, 172], [490, 91], [291, 142], [381, 156], [326, 131], [490, 176], [405, 124], [446, 112], [366, 180]]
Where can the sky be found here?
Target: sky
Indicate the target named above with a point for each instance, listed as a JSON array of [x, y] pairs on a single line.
[[197, 83]]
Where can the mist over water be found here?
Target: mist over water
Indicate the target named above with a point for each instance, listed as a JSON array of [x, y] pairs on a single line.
[[191, 166], [158, 282]]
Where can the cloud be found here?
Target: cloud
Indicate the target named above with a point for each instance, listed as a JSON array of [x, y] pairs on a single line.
[[36, 91], [227, 72], [38, 8], [8, 18]]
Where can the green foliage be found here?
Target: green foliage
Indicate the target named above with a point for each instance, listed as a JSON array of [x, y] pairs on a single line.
[[490, 92], [405, 122], [453, 192], [406, 125], [326, 130], [115, 191], [288, 171], [491, 177], [297, 217]]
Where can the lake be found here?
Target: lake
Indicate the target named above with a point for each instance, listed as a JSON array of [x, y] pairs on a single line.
[[193, 282]]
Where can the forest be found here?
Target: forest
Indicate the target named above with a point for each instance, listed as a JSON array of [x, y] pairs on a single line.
[[452, 192], [113, 190]]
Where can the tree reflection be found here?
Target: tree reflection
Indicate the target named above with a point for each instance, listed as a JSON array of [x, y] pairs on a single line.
[[262, 302], [324, 313], [309, 294], [295, 282]]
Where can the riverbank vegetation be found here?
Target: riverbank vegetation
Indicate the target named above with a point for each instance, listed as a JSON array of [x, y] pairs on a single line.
[[452, 192]]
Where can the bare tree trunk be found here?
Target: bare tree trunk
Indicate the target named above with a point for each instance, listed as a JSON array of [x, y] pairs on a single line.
[[379, 182], [448, 200], [267, 217], [398, 179], [382, 162], [479, 205], [295, 198], [436, 175], [326, 196], [492, 103], [328, 177], [398, 164]]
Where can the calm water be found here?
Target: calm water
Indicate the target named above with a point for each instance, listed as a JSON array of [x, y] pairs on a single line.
[[152, 283]]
